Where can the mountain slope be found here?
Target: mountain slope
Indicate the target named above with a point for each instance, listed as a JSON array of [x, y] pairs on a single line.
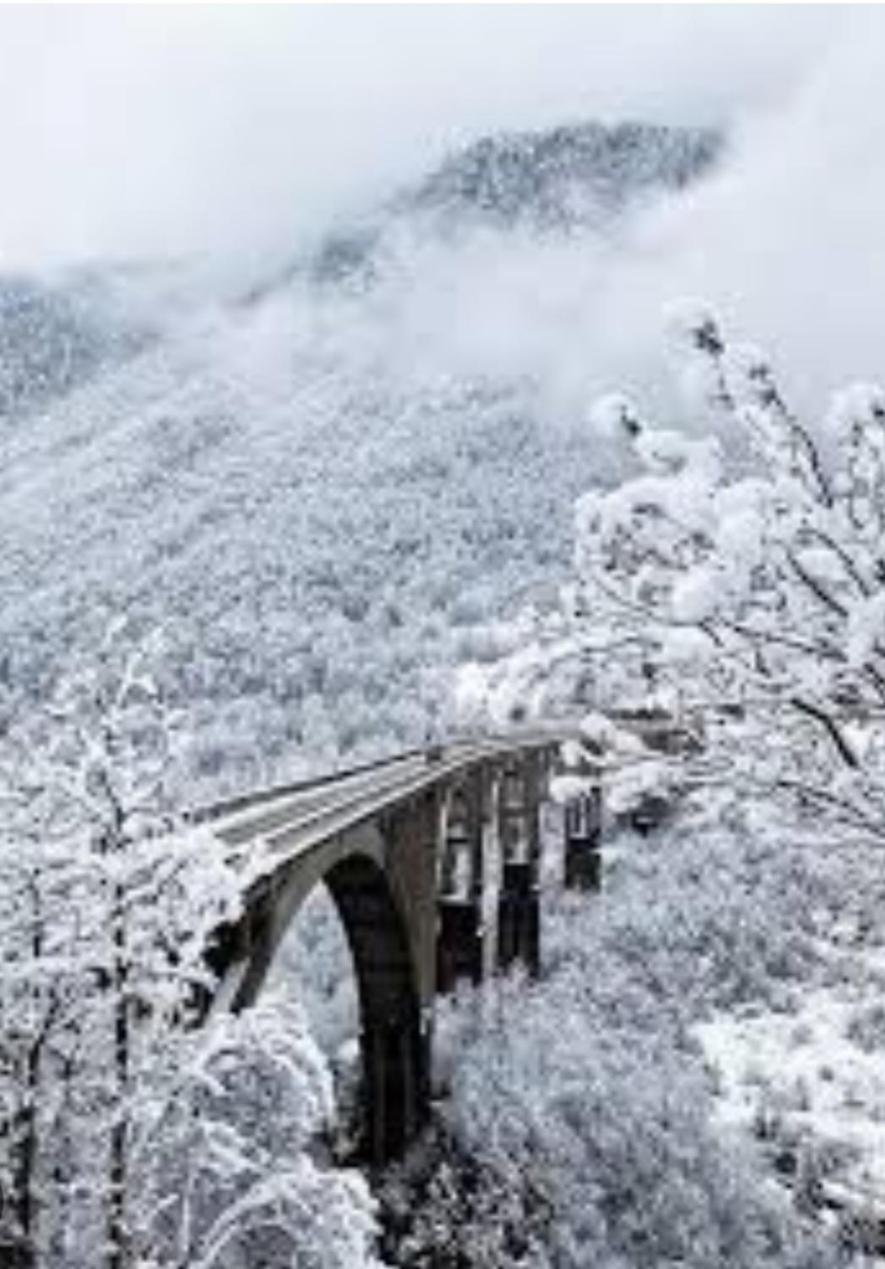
[[325, 495]]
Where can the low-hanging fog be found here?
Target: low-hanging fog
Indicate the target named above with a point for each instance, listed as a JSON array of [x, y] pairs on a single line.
[[328, 493], [237, 132], [136, 130]]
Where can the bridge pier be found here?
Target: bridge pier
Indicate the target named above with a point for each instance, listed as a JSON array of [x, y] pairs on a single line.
[[583, 839], [460, 944], [460, 941], [519, 919], [519, 903], [396, 1085]]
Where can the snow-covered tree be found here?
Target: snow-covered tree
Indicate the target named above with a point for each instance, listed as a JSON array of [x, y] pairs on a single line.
[[131, 1136], [230, 1163], [735, 582], [108, 907]]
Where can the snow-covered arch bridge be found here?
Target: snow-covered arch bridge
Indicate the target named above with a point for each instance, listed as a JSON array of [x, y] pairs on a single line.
[[432, 860]]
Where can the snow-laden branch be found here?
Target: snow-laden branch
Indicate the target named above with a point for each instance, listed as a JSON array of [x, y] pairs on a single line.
[[742, 566]]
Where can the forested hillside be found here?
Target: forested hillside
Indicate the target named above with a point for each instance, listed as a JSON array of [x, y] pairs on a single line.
[[326, 483]]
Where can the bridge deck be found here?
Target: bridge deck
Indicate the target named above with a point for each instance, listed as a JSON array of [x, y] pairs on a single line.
[[265, 831]]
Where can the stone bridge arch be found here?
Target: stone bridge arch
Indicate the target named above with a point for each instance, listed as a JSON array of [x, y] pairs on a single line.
[[381, 876], [432, 860]]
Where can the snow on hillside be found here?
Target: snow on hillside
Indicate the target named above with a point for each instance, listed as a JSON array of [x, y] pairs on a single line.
[[52, 339], [325, 493]]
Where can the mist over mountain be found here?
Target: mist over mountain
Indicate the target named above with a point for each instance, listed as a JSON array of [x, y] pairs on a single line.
[[322, 499], [565, 177], [560, 181]]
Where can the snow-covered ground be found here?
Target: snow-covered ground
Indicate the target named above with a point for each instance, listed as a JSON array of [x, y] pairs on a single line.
[[811, 1081]]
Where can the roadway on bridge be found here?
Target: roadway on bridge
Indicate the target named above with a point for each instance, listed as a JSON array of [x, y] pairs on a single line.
[[274, 826]]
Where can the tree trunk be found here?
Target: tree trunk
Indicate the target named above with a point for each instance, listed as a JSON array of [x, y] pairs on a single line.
[[24, 1126], [118, 1234]]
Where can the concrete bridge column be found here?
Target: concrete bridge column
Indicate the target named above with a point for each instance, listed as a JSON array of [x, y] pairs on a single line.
[[396, 1061], [398, 1026], [460, 950], [519, 829], [583, 839]]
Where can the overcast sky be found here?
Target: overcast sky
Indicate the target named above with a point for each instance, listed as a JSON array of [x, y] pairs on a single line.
[[138, 130]]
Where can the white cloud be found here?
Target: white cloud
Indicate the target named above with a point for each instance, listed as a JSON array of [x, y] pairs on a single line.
[[167, 128], [788, 240]]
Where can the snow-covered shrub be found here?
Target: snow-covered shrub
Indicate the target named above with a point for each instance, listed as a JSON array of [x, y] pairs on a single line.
[[454, 1211], [724, 919], [227, 1163], [578, 1140], [129, 1138], [867, 1028]]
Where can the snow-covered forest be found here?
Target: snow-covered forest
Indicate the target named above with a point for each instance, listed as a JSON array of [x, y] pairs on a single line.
[[363, 410]]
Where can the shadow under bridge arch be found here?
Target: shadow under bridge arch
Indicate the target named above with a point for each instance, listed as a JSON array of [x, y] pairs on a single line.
[[381, 880], [395, 1045]]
